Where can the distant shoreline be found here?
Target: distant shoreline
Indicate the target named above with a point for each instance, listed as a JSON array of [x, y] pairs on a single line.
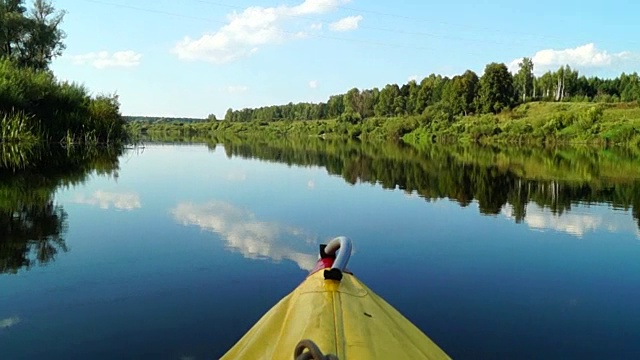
[[536, 123]]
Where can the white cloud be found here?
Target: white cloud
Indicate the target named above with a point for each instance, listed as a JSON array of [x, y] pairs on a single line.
[[244, 233], [310, 7], [106, 200], [9, 322], [246, 31], [103, 59], [313, 84], [346, 24], [413, 78], [576, 223], [585, 56], [237, 89]]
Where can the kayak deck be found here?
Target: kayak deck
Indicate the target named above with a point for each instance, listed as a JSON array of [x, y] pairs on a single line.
[[344, 318]]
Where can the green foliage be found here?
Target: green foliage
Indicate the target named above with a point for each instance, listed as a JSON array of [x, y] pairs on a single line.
[[590, 117], [441, 102], [531, 123], [439, 112], [33, 104], [624, 134], [387, 101], [538, 124], [524, 79], [350, 117], [105, 119], [481, 127], [496, 88], [159, 119], [360, 102], [17, 127], [30, 38]]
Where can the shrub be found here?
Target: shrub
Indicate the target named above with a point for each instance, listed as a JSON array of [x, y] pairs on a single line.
[[589, 117], [53, 111], [350, 117]]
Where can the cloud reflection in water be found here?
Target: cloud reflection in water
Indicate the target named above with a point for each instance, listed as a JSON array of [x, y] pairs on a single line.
[[576, 223], [106, 200], [9, 322], [244, 233]]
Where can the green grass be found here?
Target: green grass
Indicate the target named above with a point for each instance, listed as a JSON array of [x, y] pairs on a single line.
[[542, 123]]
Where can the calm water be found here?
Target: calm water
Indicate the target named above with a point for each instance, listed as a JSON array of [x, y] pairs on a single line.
[[174, 251]]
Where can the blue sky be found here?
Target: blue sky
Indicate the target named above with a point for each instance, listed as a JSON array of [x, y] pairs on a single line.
[[195, 57]]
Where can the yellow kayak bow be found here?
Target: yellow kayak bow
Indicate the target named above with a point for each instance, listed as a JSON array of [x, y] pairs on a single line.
[[335, 312]]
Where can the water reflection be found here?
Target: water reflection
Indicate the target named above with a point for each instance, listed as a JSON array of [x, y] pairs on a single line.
[[104, 199], [236, 175], [31, 234], [576, 224], [9, 322], [553, 179], [244, 233], [32, 224]]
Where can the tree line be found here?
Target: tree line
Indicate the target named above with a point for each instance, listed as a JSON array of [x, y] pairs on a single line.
[[161, 119], [496, 90]]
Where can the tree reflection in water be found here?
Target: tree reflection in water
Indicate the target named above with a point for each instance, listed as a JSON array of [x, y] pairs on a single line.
[[493, 177], [32, 225]]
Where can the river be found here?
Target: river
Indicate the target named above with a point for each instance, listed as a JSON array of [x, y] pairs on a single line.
[[173, 251]]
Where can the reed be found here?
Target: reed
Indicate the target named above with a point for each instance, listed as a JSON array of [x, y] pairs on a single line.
[[35, 106], [17, 127]]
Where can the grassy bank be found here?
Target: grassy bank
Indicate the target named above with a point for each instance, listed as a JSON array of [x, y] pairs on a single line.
[[35, 106], [538, 123]]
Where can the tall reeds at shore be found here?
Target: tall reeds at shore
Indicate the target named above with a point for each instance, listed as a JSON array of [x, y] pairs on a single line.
[[35, 106]]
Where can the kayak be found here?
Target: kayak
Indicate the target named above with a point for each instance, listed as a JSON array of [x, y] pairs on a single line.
[[333, 315]]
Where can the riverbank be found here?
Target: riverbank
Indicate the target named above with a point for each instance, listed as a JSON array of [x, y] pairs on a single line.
[[37, 107], [536, 123]]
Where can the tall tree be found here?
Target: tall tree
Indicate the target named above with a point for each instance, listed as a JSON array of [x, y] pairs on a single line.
[[423, 96], [412, 98], [631, 89], [45, 41], [386, 101], [32, 38], [229, 115], [360, 102], [470, 86], [453, 96], [12, 26], [335, 106], [429, 93], [559, 75], [496, 88], [369, 99], [524, 78]]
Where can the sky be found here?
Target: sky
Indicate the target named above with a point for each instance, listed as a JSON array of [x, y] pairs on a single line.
[[192, 58]]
